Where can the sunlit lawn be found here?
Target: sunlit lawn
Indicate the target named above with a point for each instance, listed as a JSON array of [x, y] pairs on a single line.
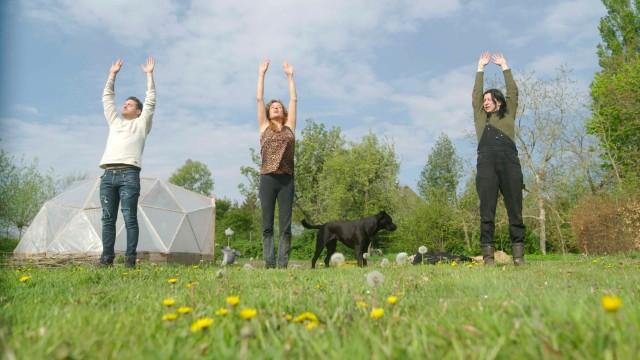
[[546, 309]]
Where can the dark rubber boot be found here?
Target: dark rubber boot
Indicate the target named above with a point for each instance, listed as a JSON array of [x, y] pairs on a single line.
[[130, 262], [487, 254], [517, 251]]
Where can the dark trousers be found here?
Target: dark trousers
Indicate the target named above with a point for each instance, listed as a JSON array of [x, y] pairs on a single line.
[[280, 188], [119, 187], [498, 169]]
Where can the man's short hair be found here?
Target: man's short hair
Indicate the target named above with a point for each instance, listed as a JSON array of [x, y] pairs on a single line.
[[137, 101]]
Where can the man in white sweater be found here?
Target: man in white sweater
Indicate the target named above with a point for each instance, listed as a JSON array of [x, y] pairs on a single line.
[[121, 161]]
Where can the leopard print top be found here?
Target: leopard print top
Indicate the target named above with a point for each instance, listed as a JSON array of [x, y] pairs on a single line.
[[277, 149]]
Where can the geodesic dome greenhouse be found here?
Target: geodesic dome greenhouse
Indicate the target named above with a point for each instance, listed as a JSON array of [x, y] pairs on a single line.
[[175, 223]]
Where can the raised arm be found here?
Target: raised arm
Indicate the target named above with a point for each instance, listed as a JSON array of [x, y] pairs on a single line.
[[109, 94], [512, 88], [263, 123], [293, 97], [150, 98], [478, 86]]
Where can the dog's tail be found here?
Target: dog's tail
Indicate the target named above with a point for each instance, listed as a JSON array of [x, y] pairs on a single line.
[[310, 226]]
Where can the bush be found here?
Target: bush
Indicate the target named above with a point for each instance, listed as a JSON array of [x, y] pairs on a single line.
[[607, 224]]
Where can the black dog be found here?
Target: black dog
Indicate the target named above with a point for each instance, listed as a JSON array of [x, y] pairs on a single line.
[[355, 234]]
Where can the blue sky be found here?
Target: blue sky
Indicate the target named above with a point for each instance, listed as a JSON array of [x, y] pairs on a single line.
[[401, 69]]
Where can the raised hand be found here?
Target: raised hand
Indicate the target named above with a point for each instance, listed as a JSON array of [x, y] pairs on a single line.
[[499, 60], [148, 66], [484, 60], [288, 69], [262, 69], [115, 67]]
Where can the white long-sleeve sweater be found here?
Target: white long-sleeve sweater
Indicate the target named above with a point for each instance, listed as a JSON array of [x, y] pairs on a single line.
[[126, 139]]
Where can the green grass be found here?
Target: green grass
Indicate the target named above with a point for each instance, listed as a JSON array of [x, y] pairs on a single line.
[[546, 309]]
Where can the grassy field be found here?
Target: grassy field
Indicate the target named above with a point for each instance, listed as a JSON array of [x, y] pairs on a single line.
[[550, 308]]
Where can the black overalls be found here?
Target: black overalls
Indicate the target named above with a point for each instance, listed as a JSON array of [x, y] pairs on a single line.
[[498, 168]]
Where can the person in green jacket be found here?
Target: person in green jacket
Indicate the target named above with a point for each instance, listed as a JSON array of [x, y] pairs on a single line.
[[498, 166]]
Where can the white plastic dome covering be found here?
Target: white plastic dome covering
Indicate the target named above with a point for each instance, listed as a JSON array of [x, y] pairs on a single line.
[[171, 220]]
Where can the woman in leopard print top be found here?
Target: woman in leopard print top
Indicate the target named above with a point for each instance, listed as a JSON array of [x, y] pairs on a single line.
[[277, 144]]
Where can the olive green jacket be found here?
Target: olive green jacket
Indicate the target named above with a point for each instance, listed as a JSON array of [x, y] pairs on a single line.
[[481, 118]]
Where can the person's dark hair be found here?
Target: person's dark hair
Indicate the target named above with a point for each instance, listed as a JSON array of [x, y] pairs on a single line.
[[137, 101], [497, 96], [284, 109]]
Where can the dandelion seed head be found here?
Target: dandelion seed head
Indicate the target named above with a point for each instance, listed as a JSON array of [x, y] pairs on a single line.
[[337, 259], [422, 249], [402, 258], [375, 278], [384, 262]]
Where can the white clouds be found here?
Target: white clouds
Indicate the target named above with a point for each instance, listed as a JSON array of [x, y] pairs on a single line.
[[211, 49], [76, 143], [445, 105], [573, 20], [208, 52], [130, 22], [31, 110]]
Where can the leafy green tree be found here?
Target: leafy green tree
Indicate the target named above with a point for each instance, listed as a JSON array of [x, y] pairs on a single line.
[[222, 207], [615, 91], [26, 190], [195, 176], [7, 171], [252, 174], [360, 181], [440, 175], [616, 117], [620, 32], [312, 152]]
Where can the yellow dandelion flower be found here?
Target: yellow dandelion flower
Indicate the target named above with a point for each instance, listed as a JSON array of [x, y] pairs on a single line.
[[222, 312], [288, 317], [361, 304], [172, 281], [392, 300], [25, 278], [311, 325], [233, 300], [201, 324], [191, 284], [248, 313], [168, 302], [454, 263], [611, 303], [184, 309], [169, 317], [195, 266], [306, 316], [376, 313]]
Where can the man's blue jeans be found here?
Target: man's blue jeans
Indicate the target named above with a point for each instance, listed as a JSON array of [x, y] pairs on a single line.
[[119, 187]]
